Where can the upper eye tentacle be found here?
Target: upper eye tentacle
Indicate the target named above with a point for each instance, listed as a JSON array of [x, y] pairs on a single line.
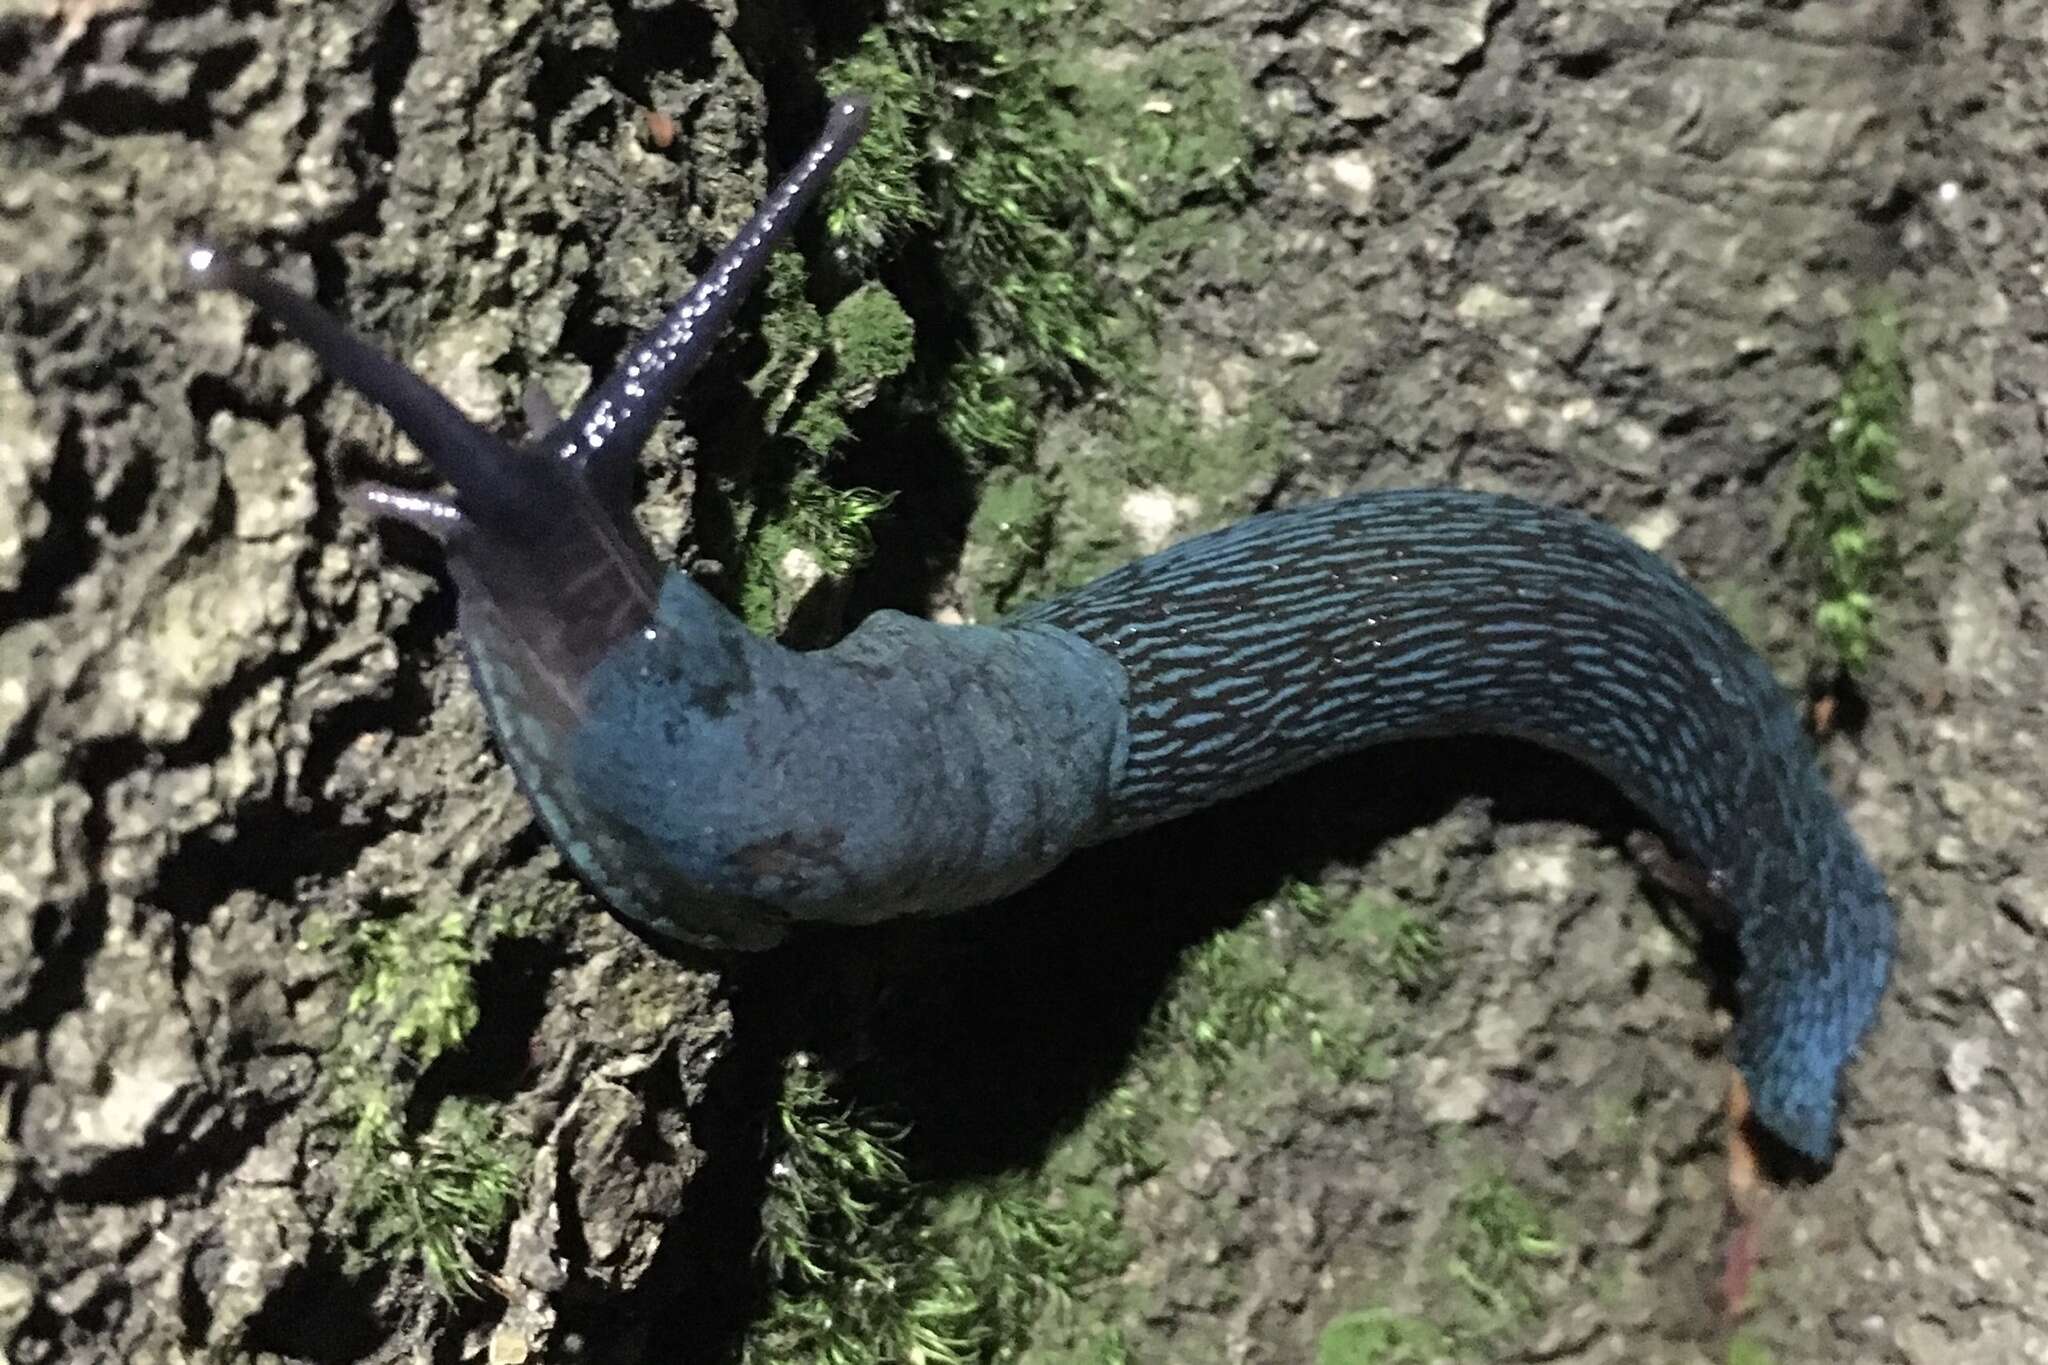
[[603, 436], [438, 517], [462, 452]]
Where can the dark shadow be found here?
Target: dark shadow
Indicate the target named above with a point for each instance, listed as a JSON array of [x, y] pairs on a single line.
[[319, 1315], [993, 1031], [705, 1274], [496, 1059]]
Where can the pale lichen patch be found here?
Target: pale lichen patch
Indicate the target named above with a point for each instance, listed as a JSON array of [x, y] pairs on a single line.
[[1154, 516]]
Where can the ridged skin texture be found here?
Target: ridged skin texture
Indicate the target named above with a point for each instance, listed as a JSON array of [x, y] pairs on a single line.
[[723, 786], [1258, 650]]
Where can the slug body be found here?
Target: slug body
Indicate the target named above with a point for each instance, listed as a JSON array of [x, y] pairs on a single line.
[[718, 788]]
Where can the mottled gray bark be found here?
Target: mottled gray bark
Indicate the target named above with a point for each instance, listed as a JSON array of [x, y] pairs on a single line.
[[1599, 253]]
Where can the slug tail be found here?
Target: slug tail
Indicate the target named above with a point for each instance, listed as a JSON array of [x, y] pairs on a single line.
[[1806, 1008], [1258, 650]]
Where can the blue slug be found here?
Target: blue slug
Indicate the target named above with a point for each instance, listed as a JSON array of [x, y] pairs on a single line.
[[719, 788]]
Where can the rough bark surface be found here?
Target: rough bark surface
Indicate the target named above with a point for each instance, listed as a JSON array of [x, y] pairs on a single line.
[[1598, 253]]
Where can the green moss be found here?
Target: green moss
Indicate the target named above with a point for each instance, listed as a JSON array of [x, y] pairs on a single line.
[[1121, 1134], [1849, 486], [533, 909], [1246, 991], [438, 1197], [1188, 155], [434, 1197], [1034, 190], [986, 410], [866, 1267], [1744, 1349], [793, 332], [1491, 1250], [817, 533], [1499, 1239], [1292, 976], [820, 370], [1400, 945], [1012, 526], [878, 195], [1043, 181], [1240, 994], [977, 140], [867, 1263], [1237, 996], [1023, 189], [869, 339], [412, 981], [1160, 441], [1376, 1336]]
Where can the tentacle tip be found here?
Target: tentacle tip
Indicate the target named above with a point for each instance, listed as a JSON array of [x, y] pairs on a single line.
[[202, 263], [849, 116], [211, 267]]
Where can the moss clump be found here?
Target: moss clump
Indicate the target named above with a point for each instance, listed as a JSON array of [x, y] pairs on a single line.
[[984, 409], [1189, 158], [822, 369], [879, 195], [1324, 991], [412, 980], [1492, 1247], [869, 338], [1008, 538], [1007, 174], [817, 533], [1040, 176], [1744, 1349], [819, 371], [1848, 489], [1237, 995], [440, 1195], [866, 1262], [1499, 1237], [793, 331], [1376, 1336], [866, 1267], [1399, 944], [1023, 194], [437, 1197]]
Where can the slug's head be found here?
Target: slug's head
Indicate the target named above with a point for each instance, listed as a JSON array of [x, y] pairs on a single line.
[[550, 568], [552, 572]]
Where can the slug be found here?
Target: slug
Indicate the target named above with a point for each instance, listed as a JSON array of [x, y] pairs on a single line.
[[719, 788]]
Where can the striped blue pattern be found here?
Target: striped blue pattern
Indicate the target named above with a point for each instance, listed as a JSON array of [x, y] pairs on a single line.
[[1258, 650]]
